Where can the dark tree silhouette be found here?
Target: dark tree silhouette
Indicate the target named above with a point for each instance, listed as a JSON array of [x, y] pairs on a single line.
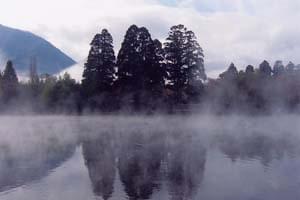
[[9, 82], [230, 74], [64, 95], [127, 59], [184, 60], [290, 68], [34, 80], [98, 75], [229, 88], [249, 69], [278, 68], [140, 69], [33, 75], [154, 68], [265, 69]]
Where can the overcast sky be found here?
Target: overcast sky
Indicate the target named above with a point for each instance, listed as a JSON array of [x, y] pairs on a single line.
[[239, 31]]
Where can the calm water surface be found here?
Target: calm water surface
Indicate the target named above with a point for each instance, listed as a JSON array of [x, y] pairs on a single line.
[[50, 158]]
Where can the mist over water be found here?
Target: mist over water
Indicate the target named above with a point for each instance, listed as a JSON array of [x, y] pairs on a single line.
[[149, 157]]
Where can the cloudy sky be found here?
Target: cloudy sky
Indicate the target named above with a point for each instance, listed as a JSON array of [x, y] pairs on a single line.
[[239, 31]]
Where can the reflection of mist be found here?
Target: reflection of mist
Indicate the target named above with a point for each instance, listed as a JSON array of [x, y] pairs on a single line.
[[16, 170], [256, 146], [100, 160], [144, 161], [140, 163], [156, 157], [185, 167], [32, 147]]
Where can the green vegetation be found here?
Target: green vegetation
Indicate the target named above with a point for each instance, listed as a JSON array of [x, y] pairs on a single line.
[[148, 77]]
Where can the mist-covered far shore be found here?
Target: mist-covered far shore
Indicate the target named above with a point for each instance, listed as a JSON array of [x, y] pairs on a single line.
[[147, 76]]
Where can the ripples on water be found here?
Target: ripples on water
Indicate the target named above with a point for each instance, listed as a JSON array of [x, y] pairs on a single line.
[[149, 158]]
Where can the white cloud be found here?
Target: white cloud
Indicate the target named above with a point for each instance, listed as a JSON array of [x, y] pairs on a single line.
[[240, 31]]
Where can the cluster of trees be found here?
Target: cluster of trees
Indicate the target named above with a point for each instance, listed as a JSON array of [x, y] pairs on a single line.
[[41, 93], [9, 83], [148, 76], [264, 89]]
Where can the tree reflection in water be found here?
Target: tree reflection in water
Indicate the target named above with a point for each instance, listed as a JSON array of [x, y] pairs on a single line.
[[144, 161], [256, 146], [149, 161], [99, 155], [140, 164], [185, 167]]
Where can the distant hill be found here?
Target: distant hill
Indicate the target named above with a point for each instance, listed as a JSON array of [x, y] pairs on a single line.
[[19, 46]]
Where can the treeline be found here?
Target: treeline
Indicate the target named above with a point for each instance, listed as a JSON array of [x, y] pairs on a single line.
[[147, 76], [40, 94], [264, 89]]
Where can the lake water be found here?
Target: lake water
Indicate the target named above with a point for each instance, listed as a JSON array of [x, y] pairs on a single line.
[[167, 157]]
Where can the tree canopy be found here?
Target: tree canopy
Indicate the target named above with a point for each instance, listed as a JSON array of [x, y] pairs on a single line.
[[149, 76]]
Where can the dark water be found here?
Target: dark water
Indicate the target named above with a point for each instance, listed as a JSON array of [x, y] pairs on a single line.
[[50, 158]]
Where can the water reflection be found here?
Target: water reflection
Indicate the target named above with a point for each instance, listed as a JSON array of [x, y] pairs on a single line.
[[139, 164], [185, 167], [148, 162], [143, 162], [100, 157], [256, 146], [22, 168]]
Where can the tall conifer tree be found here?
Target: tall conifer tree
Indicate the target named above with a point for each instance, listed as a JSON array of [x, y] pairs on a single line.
[[127, 60], [9, 82], [184, 60], [140, 69], [265, 69], [99, 70]]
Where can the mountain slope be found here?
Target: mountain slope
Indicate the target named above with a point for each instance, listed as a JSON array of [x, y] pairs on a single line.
[[19, 46]]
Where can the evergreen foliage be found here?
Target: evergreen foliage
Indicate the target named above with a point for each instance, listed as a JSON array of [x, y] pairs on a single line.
[[34, 80], [149, 76], [9, 82], [278, 68], [265, 69], [99, 70], [140, 68], [184, 61]]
